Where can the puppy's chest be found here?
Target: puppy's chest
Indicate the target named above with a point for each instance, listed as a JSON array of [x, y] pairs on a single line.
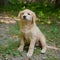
[[27, 34]]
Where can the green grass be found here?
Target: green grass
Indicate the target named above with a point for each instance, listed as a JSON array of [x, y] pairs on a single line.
[[51, 31]]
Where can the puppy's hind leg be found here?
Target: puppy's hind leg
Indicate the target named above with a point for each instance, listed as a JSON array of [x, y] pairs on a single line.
[[43, 44]]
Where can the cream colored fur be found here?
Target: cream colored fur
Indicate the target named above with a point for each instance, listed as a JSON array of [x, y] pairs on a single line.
[[30, 33]]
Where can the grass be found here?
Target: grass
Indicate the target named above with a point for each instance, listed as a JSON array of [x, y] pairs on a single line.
[[51, 31]]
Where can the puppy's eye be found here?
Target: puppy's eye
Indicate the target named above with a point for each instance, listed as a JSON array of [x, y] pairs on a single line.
[[22, 13], [28, 13]]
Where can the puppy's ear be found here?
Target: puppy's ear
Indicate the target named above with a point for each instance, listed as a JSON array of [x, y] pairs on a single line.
[[19, 15], [34, 18]]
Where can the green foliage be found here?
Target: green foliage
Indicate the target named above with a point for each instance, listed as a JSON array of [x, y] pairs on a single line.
[[9, 51], [13, 1], [43, 12]]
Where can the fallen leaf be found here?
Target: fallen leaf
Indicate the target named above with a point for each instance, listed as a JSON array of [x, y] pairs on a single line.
[[42, 22], [14, 36], [49, 22], [7, 22], [12, 21], [1, 20]]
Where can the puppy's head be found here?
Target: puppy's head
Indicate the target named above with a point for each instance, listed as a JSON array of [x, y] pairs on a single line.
[[27, 15]]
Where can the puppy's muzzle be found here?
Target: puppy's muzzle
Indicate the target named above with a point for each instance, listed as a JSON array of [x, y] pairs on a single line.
[[24, 17]]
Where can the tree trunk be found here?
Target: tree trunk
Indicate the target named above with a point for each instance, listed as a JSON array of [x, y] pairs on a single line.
[[3, 2], [57, 4], [36, 1]]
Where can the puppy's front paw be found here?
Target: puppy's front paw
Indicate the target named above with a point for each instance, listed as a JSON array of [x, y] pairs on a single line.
[[20, 49], [29, 54], [43, 51]]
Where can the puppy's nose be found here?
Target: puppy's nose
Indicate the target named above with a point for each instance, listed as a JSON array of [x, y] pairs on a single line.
[[24, 17]]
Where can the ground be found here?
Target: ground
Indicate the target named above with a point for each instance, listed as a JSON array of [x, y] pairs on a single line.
[[9, 41]]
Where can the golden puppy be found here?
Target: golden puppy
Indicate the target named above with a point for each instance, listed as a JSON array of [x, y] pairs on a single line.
[[30, 33]]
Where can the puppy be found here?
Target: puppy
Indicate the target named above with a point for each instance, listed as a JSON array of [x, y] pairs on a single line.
[[30, 33]]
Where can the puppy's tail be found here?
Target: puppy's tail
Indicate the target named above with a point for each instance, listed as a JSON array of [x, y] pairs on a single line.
[[52, 47]]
